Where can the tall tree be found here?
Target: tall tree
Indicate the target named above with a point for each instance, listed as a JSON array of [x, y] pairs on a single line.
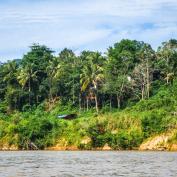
[[122, 58], [32, 71], [167, 62], [92, 75], [51, 73], [27, 76], [67, 75], [143, 72], [12, 86]]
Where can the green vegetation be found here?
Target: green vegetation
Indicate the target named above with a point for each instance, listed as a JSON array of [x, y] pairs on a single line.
[[121, 98]]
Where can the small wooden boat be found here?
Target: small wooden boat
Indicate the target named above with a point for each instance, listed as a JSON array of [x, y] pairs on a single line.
[[67, 116]]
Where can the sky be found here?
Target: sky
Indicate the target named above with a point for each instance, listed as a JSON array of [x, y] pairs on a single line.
[[83, 24]]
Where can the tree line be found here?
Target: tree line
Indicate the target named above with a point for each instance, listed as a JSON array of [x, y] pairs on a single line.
[[129, 71]]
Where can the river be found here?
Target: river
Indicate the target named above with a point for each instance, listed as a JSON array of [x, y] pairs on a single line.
[[87, 164]]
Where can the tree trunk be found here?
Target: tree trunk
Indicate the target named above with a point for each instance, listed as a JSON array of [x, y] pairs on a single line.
[[148, 80], [84, 105], [73, 92], [96, 103], [37, 99], [29, 91], [87, 103], [15, 103], [110, 103], [50, 90], [167, 79], [80, 107], [96, 98], [142, 92], [167, 69], [118, 101]]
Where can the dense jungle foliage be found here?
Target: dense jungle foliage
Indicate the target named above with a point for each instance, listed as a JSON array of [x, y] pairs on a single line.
[[121, 97]]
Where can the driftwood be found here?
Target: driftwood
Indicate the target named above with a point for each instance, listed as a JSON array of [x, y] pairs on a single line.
[[32, 146]]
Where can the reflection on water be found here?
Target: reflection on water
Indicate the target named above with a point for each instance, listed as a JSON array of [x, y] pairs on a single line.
[[88, 164]]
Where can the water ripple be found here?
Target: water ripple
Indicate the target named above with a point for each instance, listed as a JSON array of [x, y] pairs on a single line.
[[87, 164]]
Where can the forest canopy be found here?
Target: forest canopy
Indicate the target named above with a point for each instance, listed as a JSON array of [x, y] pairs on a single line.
[[121, 97], [129, 71]]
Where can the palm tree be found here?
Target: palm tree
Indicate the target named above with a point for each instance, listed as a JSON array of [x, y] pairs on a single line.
[[10, 71], [26, 76], [10, 79], [92, 75], [52, 72]]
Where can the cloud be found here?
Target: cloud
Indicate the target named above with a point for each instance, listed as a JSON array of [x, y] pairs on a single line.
[[83, 24]]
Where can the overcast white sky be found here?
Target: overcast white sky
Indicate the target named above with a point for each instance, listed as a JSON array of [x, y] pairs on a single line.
[[83, 24]]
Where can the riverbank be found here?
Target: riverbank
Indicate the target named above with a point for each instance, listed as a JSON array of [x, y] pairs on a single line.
[[111, 131], [157, 143], [148, 125]]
